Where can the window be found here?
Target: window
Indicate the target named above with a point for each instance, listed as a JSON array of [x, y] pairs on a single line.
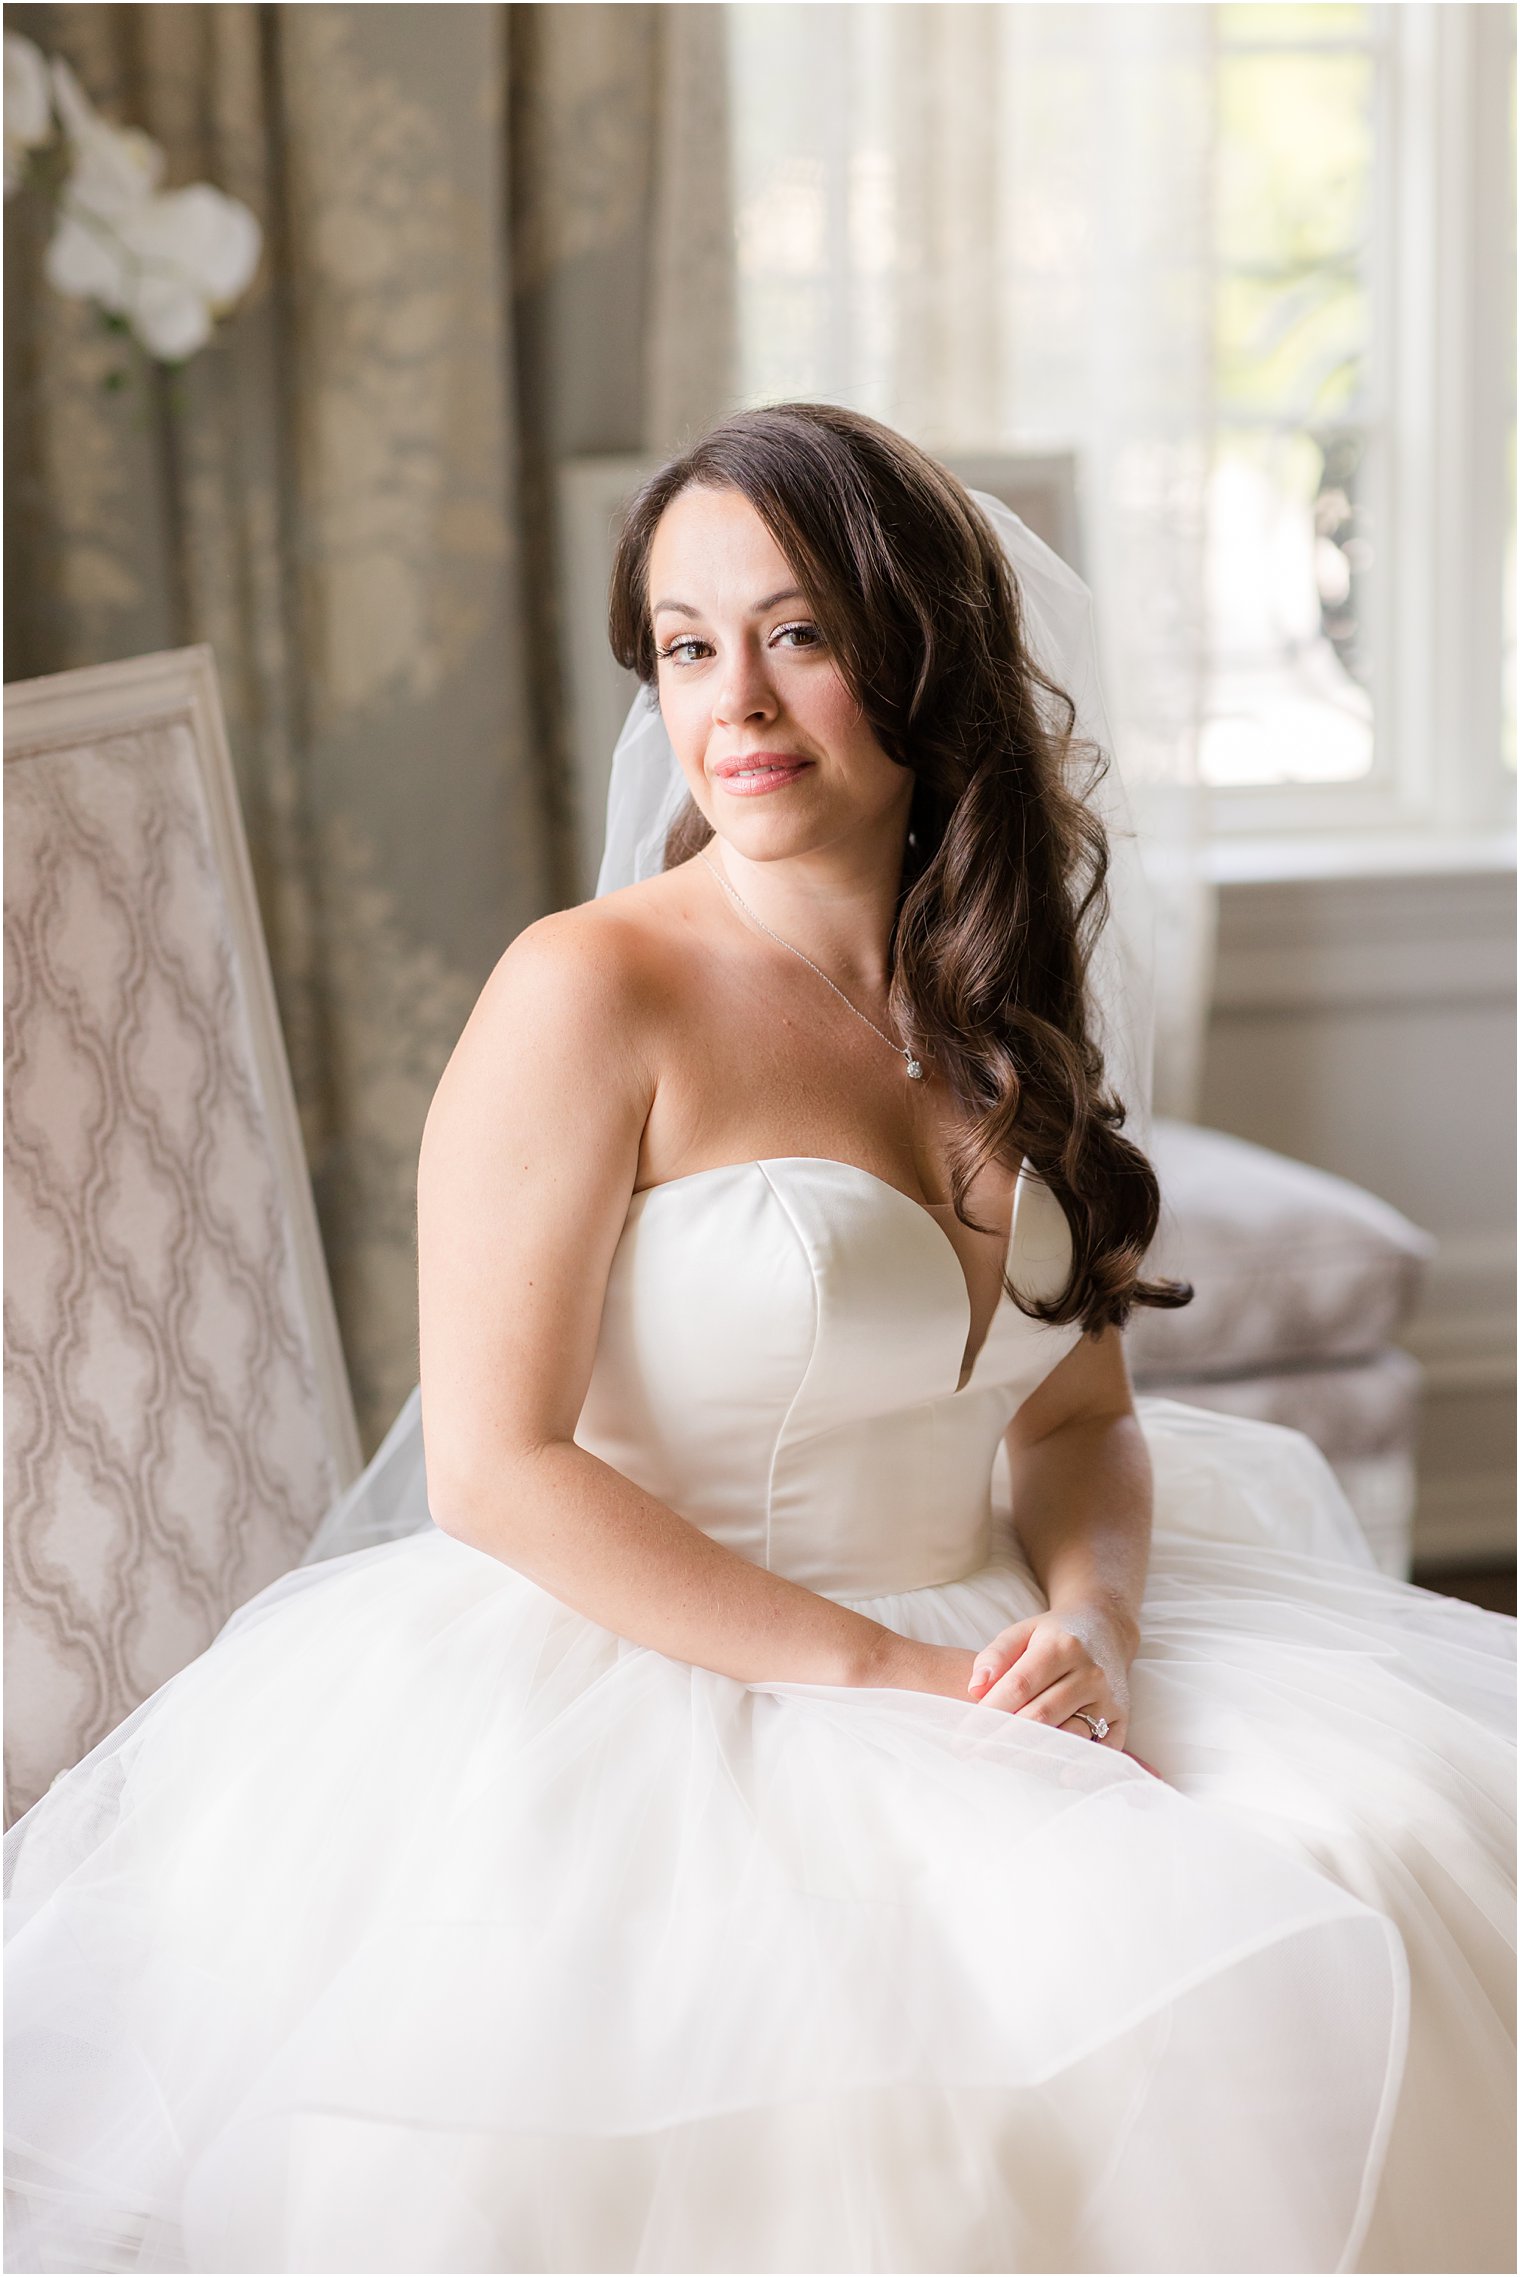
[[1293, 520], [1361, 524], [1254, 266]]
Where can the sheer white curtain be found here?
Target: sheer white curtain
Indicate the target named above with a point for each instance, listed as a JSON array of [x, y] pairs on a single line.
[[991, 226]]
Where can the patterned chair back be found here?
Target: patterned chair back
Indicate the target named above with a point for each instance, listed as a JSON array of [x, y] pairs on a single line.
[[177, 1412]]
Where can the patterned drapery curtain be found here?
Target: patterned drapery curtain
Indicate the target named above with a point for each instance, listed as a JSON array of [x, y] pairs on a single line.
[[992, 227], [494, 237]]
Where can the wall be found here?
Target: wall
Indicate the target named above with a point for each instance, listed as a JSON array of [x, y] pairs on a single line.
[[1367, 1024]]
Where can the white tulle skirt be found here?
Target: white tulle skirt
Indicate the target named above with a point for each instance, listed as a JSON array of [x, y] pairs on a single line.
[[422, 1925]]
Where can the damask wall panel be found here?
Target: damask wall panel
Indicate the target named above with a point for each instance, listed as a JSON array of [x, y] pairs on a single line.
[[176, 1417]]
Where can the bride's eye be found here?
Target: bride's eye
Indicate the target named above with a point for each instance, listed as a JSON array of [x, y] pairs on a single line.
[[811, 636], [675, 650]]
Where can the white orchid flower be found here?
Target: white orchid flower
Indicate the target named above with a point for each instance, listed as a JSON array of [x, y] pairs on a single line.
[[168, 261], [112, 169], [28, 106], [168, 265]]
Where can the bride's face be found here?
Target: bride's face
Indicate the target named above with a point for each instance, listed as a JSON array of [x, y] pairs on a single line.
[[775, 749]]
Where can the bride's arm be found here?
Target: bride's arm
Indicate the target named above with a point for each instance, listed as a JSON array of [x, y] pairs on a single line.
[[528, 1161], [1081, 1485]]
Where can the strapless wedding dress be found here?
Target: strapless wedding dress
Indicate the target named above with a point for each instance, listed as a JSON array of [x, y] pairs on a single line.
[[423, 1925]]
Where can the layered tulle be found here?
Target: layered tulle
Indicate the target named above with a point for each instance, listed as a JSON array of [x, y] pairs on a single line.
[[423, 1925]]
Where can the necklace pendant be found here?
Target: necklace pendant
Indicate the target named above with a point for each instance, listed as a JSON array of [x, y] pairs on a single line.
[[915, 1065]]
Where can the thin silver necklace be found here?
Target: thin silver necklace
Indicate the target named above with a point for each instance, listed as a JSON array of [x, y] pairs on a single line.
[[914, 1064]]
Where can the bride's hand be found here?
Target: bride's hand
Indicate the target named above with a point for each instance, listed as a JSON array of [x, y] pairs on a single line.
[[1047, 1667]]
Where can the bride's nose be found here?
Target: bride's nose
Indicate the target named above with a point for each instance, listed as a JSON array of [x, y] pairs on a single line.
[[744, 692]]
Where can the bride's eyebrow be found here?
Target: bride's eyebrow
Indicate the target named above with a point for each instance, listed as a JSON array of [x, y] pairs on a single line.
[[685, 609]]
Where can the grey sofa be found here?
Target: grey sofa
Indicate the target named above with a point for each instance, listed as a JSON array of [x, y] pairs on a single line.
[[1302, 1283]]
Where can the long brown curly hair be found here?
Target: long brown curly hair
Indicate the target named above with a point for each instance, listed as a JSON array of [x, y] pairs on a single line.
[[1003, 887]]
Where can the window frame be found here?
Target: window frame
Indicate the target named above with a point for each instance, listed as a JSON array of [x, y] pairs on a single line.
[[1438, 414]]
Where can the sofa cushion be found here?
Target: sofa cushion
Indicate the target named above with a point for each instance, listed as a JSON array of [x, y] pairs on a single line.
[[1290, 1267]]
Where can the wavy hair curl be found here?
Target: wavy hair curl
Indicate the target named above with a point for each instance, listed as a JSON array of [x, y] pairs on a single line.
[[1003, 886]]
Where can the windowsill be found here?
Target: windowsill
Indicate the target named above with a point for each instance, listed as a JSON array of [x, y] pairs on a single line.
[[1266, 860]]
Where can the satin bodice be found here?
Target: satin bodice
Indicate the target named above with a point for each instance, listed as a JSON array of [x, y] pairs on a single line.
[[780, 1360]]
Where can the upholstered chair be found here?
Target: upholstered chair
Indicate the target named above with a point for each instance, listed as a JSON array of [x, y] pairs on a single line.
[[177, 1413]]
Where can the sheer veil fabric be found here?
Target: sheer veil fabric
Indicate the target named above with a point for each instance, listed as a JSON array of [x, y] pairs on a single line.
[[421, 1924]]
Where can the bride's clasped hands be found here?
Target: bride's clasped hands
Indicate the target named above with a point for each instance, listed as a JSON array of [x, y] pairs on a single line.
[[1058, 1665], [1067, 1667]]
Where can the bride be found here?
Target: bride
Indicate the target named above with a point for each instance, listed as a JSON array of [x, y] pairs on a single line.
[[773, 1798]]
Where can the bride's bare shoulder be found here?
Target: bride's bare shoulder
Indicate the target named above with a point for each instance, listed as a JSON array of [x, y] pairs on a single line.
[[601, 972], [617, 946]]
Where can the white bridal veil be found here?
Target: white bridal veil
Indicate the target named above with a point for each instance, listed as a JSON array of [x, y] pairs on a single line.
[[390, 1496]]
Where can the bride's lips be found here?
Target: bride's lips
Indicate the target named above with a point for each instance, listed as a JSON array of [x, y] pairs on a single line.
[[758, 772]]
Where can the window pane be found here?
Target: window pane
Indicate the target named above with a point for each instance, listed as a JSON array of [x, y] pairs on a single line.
[[1283, 705], [1290, 536]]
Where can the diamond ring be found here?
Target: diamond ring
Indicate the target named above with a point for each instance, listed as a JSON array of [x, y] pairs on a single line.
[[1096, 1725]]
